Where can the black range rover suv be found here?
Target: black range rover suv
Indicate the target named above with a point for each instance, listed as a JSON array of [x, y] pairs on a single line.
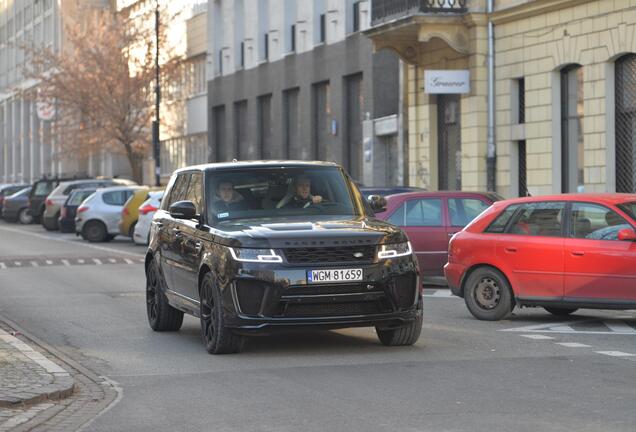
[[252, 247]]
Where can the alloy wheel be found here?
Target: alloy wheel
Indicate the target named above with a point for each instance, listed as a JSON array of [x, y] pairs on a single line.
[[208, 314]]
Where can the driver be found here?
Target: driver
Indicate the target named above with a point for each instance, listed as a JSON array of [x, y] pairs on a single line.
[[228, 199], [302, 197]]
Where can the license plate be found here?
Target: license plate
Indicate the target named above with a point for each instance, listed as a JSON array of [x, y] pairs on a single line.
[[335, 275]]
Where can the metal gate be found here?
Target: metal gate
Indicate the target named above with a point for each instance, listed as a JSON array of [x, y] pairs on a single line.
[[449, 142], [626, 123]]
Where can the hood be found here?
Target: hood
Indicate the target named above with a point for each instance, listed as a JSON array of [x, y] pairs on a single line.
[[319, 231]]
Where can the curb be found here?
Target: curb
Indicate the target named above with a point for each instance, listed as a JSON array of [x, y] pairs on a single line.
[[62, 386]]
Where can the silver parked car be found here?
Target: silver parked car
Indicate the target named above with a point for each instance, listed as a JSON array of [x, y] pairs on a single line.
[[97, 218]]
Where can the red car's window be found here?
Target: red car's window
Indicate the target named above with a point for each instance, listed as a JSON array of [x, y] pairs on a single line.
[[629, 208], [539, 219], [464, 210], [499, 224], [595, 222]]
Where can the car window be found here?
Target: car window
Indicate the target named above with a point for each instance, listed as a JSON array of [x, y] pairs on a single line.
[[397, 218], [117, 198], [595, 222], [424, 212], [179, 189], [195, 191], [77, 197], [499, 224], [630, 209], [543, 219], [464, 210], [43, 188]]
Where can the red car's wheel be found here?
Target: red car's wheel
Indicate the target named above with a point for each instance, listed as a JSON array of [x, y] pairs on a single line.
[[488, 295]]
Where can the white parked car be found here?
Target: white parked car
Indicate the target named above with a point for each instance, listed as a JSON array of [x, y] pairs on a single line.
[[97, 218], [146, 212]]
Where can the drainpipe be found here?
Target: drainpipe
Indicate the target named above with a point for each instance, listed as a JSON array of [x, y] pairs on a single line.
[[491, 155]]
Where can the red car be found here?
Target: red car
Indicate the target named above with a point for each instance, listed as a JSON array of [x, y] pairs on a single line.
[[559, 252], [430, 219]]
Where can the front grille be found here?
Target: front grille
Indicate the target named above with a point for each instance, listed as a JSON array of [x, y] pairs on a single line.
[[339, 254], [334, 309], [330, 289]]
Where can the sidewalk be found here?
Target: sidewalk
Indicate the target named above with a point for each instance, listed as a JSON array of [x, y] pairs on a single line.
[[27, 376]]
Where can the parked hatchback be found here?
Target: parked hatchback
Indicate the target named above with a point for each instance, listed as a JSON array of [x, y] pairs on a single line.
[[560, 252], [146, 213], [130, 212], [9, 189], [69, 209], [430, 219], [97, 218], [40, 190], [252, 247]]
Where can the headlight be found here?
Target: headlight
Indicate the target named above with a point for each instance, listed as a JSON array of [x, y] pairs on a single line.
[[255, 255], [394, 250]]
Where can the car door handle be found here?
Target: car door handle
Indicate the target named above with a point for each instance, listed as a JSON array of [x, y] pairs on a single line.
[[511, 249], [577, 253]]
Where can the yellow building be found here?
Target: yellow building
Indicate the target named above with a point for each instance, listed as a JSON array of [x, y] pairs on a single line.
[[564, 92]]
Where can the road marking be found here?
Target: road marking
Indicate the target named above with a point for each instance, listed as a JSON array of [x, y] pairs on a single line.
[[538, 337], [570, 328], [66, 263], [49, 262], [616, 353], [35, 264], [3, 265], [439, 294], [619, 327], [80, 261], [112, 260], [129, 261], [573, 345], [97, 261], [17, 263]]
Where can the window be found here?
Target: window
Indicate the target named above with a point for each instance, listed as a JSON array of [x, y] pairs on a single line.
[[572, 150], [240, 130], [323, 28], [522, 170], [625, 119], [356, 16], [595, 222], [397, 218], [178, 191], [264, 119], [116, 198], [499, 224], [290, 119], [319, 11], [424, 212], [293, 37], [539, 219], [464, 210], [266, 46], [629, 208], [521, 100], [195, 191]]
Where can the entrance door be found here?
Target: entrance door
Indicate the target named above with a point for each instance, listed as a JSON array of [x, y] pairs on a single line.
[[449, 142]]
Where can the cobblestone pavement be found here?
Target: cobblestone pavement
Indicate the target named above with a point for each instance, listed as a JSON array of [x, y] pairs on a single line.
[[40, 391]]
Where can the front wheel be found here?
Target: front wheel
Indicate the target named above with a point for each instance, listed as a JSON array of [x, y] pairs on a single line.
[[161, 316], [25, 217], [217, 338], [488, 295], [402, 336], [95, 232], [560, 311]]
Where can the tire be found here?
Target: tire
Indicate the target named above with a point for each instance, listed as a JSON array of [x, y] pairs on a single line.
[[95, 232], [161, 316], [24, 216], [51, 224], [488, 295], [217, 338], [560, 311], [402, 336]]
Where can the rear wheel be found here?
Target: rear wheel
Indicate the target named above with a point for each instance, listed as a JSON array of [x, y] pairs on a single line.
[[488, 295], [24, 216], [94, 232], [218, 339], [560, 311], [161, 316]]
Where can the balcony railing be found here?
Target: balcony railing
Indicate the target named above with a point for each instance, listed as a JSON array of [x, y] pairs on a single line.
[[383, 11]]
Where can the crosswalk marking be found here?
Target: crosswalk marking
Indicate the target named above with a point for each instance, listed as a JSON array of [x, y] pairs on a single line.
[[619, 327], [537, 337], [573, 345], [616, 353], [9, 263], [606, 327]]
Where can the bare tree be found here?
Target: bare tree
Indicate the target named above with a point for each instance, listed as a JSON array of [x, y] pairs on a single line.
[[103, 81]]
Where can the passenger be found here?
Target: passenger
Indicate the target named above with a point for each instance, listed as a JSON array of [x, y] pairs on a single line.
[[302, 194], [228, 199]]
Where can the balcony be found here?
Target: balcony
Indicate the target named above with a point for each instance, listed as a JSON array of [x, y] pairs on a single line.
[[383, 11]]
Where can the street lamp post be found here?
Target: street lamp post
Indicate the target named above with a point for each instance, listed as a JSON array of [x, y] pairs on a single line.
[[155, 123]]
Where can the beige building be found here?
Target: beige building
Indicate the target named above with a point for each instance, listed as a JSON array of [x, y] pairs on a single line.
[[564, 92]]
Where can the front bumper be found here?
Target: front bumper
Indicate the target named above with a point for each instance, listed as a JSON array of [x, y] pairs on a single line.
[[262, 298]]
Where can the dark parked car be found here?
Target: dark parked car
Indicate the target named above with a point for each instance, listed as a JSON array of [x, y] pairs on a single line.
[[69, 209], [41, 189], [430, 219], [257, 246], [9, 189], [16, 207]]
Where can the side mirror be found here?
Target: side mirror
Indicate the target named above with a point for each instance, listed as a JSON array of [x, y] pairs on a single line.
[[377, 203], [627, 234], [183, 210]]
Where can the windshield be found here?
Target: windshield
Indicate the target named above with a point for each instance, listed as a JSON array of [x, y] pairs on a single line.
[[43, 188], [278, 192], [77, 197], [629, 208]]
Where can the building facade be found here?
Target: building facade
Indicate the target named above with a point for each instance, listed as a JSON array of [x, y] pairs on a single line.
[[564, 92], [297, 80]]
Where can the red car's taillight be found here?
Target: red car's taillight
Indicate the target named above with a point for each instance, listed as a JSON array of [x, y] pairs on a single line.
[[147, 209], [82, 209]]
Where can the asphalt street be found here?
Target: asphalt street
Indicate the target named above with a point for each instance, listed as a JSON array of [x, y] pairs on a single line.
[[530, 372]]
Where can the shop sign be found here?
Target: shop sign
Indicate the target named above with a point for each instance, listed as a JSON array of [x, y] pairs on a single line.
[[446, 81]]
